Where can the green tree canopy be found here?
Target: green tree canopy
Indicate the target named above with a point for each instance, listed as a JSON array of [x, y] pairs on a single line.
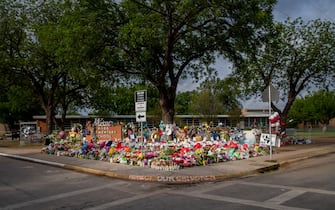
[[318, 107], [182, 102], [296, 56], [16, 101], [164, 41], [120, 100], [215, 97], [53, 49], [66, 50], [299, 113]]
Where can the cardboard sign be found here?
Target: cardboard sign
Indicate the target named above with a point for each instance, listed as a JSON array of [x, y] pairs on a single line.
[[265, 140], [103, 131], [108, 132]]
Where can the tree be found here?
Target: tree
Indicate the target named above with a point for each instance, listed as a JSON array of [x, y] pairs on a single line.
[[16, 101], [317, 107], [17, 104], [205, 103], [295, 58], [51, 75], [28, 54], [182, 102], [214, 97], [164, 41], [299, 113], [120, 100], [63, 44], [235, 117], [323, 103], [227, 93], [53, 50]]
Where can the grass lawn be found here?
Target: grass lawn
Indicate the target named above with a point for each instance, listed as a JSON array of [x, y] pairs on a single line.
[[316, 132], [16, 143]]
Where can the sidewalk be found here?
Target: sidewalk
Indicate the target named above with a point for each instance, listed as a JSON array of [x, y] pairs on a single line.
[[214, 172]]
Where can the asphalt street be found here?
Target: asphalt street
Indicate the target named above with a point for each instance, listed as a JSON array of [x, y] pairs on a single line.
[[307, 184]]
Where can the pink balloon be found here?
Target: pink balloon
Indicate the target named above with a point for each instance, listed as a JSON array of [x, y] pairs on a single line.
[[62, 134]]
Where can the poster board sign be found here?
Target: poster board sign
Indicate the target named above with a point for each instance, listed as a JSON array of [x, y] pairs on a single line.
[[108, 132], [265, 140], [103, 131]]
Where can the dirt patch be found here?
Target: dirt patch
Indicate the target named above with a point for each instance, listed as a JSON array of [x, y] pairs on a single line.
[[323, 140]]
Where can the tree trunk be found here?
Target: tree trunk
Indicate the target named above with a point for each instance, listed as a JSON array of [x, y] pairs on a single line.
[[62, 121], [49, 119], [283, 114], [324, 127], [166, 102]]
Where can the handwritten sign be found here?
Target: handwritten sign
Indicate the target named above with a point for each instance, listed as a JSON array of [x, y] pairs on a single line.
[[108, 132], [265, 140], [103, 130]]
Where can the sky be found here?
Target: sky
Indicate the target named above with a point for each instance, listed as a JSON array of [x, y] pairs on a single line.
[[306, 9]]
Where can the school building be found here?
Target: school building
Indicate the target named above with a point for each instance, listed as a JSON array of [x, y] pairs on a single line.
[[247, 119]]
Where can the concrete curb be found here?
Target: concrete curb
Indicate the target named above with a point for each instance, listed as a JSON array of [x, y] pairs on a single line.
[[318, 153], [67, 166], [19, 157], [149, 178], [176, 179]]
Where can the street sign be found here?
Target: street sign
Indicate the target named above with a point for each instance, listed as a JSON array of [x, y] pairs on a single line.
[[141, 117], [141, 96], [141, 101], [273, 93], [140, 107]]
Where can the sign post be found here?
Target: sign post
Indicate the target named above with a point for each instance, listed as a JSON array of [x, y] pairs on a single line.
[[270, 94], [141, 107]]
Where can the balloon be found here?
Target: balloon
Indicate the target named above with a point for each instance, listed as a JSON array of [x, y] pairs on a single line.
[[62, 134]]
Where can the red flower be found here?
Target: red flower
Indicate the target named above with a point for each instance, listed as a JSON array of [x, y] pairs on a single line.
[[197, 146]]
